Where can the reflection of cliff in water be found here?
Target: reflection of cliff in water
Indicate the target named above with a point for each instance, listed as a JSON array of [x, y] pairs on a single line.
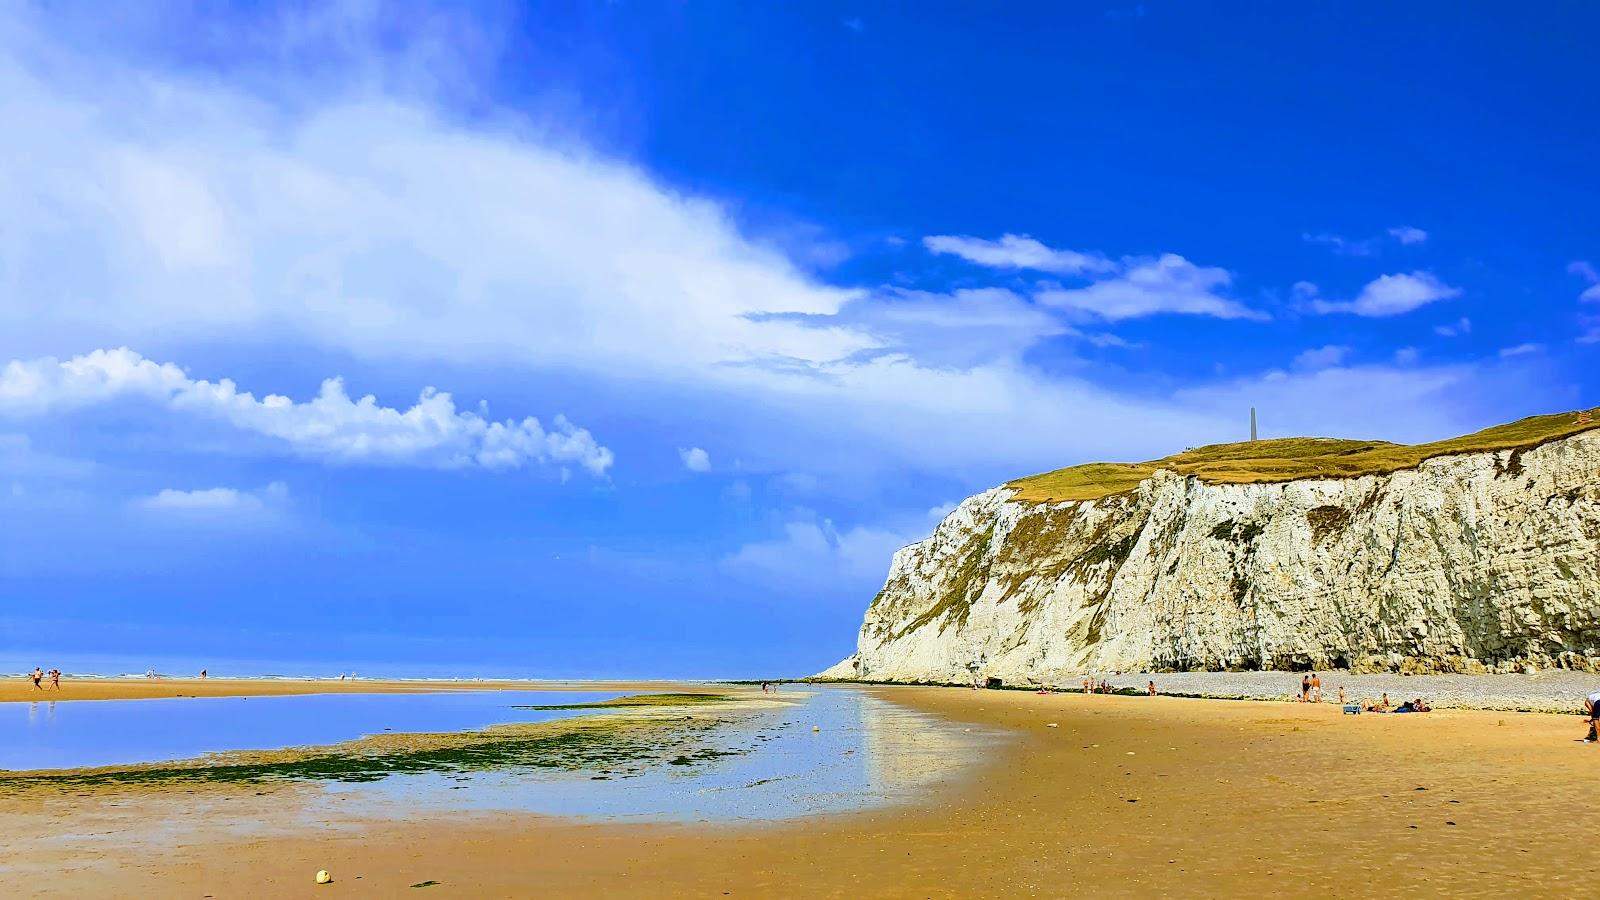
[[905, 751]]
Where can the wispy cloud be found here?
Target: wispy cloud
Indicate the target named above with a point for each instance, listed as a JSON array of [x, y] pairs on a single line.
[[217, 500], [1165, 284], [1406, 235], [1457, 328], [1584, 270], [331, 426], [1019, 251], [1391, 295], [1321, 358], [1521, 350]]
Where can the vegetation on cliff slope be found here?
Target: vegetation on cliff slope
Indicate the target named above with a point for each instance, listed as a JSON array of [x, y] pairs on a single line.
[[1287, 459]]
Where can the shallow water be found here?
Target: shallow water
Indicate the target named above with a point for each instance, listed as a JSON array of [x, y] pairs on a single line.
[[82, 733], [864, 752]]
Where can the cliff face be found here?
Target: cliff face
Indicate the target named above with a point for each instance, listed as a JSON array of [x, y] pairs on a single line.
[[1466, 562]]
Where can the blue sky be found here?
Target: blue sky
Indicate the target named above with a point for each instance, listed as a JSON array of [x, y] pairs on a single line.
[[677, 319]]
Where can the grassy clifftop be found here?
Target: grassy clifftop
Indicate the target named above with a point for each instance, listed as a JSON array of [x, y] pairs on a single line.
[[1287, 459]]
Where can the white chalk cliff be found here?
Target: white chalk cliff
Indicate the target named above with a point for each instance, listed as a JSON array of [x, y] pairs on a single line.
[[1470, 562]]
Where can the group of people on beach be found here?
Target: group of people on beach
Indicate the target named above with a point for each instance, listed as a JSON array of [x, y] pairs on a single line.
[[38, 676]]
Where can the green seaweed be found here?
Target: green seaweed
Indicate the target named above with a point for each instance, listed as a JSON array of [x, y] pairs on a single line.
[[590, 747], [637, 700]]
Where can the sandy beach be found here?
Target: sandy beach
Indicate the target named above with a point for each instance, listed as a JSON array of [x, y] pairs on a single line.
[[1126, 796]]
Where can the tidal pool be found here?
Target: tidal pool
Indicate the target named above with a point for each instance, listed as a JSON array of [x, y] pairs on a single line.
[[763, 765], [802, 753]]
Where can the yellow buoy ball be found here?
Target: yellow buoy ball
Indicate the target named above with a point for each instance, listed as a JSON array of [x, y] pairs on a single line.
[[816, 728], [323, 877]]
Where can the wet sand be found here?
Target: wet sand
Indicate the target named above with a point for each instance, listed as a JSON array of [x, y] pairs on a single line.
[[17, 688], [1128, 796]]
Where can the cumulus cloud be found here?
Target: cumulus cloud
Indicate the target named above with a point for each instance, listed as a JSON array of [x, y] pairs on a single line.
[[1391, 295], [1018, 251], [331, 426], [1165, 284], [695, 459]]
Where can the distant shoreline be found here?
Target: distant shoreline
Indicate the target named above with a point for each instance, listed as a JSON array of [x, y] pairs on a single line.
[[20, 689]]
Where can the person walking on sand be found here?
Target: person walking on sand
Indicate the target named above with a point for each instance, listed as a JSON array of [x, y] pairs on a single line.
[[1591, 712], [1316, 688], [55, 679], [1305, 688], [38, 677], [1342, 701]]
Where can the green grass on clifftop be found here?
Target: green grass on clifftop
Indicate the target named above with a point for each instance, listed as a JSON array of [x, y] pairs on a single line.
[[1287, 459]]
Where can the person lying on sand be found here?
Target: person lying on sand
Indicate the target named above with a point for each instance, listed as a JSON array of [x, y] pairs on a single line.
[[1413, 706], [1382, 706]]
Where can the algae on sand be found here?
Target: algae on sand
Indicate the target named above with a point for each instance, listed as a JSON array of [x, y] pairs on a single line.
[[1287, 459], [640, 700], [605, 744]]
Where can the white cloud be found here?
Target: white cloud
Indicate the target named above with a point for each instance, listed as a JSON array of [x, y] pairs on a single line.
[[811, 552], [1587, 272], [365, 221], [217, 500], [1018, 251], [964, 328], [1321, 357], [1166, 284], [1392, 295], [330, 426], [1521, 350], [1459, 327], [695, 459], [1406, 235], [1407, 356], [1341, 245]]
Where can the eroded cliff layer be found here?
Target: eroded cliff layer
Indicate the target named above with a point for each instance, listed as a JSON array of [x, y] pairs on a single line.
[[1464, 562]]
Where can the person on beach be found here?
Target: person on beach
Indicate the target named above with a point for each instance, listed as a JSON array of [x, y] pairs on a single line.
[[202, 674], [1591, 712], [38, 677], [1382, 706], [1316, 688], [55, 679], [1342, 701], [1150, 689], [1305, 688]]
